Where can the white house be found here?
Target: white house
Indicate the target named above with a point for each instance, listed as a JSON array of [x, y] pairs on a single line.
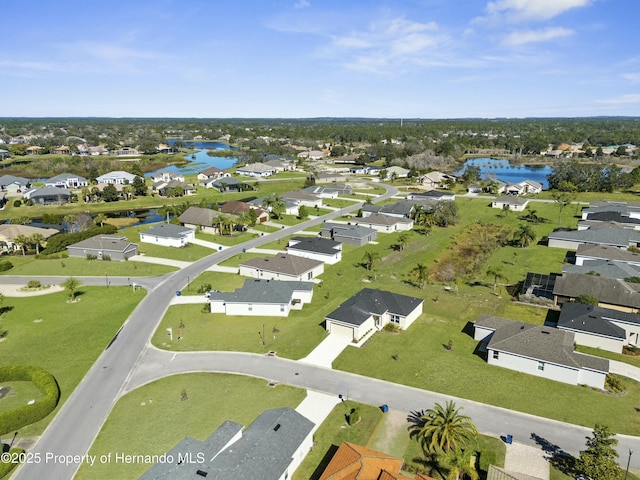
[[323, 249], [256, 170], [283, 267], [384, 223], [513, 202], [67, 180], [370, 310], [168, 235], [166, 177], [262, 298], [538, 350], [116, 177]]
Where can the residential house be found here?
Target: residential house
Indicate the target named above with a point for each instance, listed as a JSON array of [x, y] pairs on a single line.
[[355, 462], [9, 232], [104, 247], [603, 234], [256, 170], [384, 223], [236, 207], [62, 150], [212, 173], [598, 327], [349, 234], [34, 150], [312, 155], [400, 209], [277, 165], [627, 210], [11, 184], [126, 152], [332, 191], [205, 219], [526, 187], [303, 198], [370, 310], [474, 188], [610, 292], [397, 172], [48, 195], [537, 286], [316, 248], [436, 179], [604, 268], [168, 235], [431, 195], [271, 448], [89, 150], [512, 202], [262, 298], [67, 180], [169, 189], [290, 268], [330, 177], [291, 206], [586, 253], [118, 177], [538, 350], [166, 177]]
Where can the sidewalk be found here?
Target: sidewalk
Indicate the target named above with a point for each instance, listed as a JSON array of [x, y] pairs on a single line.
[[203, 243]]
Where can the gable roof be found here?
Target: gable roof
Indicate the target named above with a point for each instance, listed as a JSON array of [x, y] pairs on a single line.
[[401, 207], [199, 216], [63, 177], [604, 268], [255, 168], [262, 291], [314, 244], [596, 320], [607, 290], [168, 230], [9, 179], [357, 309], [354, 462], [604, 234], [511, 200], [48, 191], [380, 219], [283, 263], [211, 171], [301, 195], [348, 230], [607, 253], [105, 243], [11, 231]]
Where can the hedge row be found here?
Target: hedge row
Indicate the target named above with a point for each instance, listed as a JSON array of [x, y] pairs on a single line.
[[58, 243], [28, 414]]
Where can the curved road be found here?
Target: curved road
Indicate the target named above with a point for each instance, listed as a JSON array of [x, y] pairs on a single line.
[[129, 362]]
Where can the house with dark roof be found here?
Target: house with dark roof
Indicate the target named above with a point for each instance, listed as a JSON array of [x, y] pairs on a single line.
[[237, 207], [512, 202], [104, 247], [262, 298], [283, 267], [271, 448], [384, 223], [370, 310], [604, 268], [538, 350], [586, 253], [602, 234], [168, 235], [205, 219], [48, 195], [625, 211], [610, 292], [67, 180], [399, 209], [598, 327], [331, 191], [226, 184], [316, 248], [431, 196], [350, 234]]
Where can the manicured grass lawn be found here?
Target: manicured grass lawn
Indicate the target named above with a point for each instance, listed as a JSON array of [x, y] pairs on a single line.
[[264, 228], [30, 265], [333, 431], [340, 202], [227, 240], [20, 394], [630, 359], [189, 253], [237, 259], [212, 399], [65, 339], [218, 281]]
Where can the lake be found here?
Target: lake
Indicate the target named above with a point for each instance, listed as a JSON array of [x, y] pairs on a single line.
[[507, 172], [202, 160]]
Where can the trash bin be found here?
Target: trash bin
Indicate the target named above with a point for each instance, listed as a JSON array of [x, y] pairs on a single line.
[[384, 408], [509, 439], [178, 293]]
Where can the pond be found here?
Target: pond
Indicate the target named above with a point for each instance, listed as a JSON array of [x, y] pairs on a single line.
[[200, 160], [144, 217], [507, 172]]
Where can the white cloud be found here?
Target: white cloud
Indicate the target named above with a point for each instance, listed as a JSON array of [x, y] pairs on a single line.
[[633, 77], [622, 100], [522, 37], [302, 4], [525, 10]]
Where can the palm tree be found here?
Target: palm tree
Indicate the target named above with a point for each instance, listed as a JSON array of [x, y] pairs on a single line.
[[525, 235], [72, 285], [444, 429], [459, 464], [369, 259], [496, 273], [100, 218], [403, 239], [21, 241], [36, 239], [421, 273]]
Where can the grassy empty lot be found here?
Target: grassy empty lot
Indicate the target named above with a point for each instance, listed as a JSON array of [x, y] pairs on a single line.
[[65, 339], [212, 399]]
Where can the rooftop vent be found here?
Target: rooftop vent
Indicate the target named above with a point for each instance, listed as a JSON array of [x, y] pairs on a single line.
[[201, 473], [546, 333], [276, 428]]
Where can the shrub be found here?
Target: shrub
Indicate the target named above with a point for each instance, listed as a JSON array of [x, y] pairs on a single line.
[[34, 284], [614, 384], [91, 257], [354, 416], [204, 288], [5, 265], [17, 203], [106, 258], [28, 414], [392, 327]]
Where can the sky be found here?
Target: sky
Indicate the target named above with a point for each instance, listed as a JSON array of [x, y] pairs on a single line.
[[320, 58]]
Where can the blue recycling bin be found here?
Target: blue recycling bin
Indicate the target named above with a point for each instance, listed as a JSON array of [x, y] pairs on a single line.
[[384, 408], [509, 439], [178, 293]]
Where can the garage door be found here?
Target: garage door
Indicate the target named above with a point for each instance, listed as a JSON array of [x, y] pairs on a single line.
[[342, 330]]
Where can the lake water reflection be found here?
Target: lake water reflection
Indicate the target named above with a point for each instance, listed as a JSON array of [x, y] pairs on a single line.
[[507, 172]]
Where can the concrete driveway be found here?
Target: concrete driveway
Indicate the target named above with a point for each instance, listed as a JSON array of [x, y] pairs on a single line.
[[328, 350]]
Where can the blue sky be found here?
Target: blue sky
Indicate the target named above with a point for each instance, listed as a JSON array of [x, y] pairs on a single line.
[[313, 58]]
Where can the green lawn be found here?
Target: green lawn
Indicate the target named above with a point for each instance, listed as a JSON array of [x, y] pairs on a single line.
[[188, 253], [65, 339], [212, 399], [217, 280], [227, 240], [20, 394], [30, 265]]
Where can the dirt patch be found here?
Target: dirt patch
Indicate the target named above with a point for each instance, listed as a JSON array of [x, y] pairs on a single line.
[[392, 427]]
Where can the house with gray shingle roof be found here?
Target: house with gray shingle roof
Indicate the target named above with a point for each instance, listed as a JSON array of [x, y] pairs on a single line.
[[586, 253], [370, 310], [118, 177], [291, 268], [323, 249], [168, 235], [599, 327], [104, 247], [538, 350], [349, 234], [384, 223], [256, 170], [602, 234], [399, 209], [604, 268], [205, 219], [67, 180], [264, 298], [512, 202], [610, 292], [271, 448], [13, 184], [48, 195]]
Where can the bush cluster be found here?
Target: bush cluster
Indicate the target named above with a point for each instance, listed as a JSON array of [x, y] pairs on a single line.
[[28, 414], [58, 243], [5, 265]]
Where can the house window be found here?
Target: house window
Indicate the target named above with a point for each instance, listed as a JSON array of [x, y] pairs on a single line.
[[282, 308], [309, 275], [541, 366], [395, 319], [496, 354], [250, 307]]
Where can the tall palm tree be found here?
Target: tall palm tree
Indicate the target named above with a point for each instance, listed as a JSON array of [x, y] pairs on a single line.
[[21, 241], [403, 239], [370, 258], [443, 429], [459, 464], [72, 285], [421, 274], [36, 239], [525, 235], [497, 274], [100, 218]]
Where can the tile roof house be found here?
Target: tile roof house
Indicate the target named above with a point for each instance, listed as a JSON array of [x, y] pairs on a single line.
[[104, 246], [610, 292], [262, 298], [271, 448], [354, 462], [212, 173], [370, 310], [349, 234], [282, 267], [9, 232], [67, 180], [602, 234], [48, 195], [599, 327], [538, 350], [325, 250], [168, 235], [513, 202]]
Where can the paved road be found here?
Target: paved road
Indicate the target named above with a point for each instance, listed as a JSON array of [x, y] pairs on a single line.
[[78, 422]]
